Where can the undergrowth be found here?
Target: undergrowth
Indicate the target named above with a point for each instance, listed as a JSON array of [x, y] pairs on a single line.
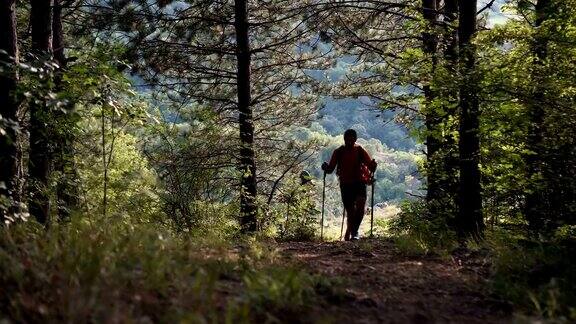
[[414, 234], [115, 271], [537, 276]]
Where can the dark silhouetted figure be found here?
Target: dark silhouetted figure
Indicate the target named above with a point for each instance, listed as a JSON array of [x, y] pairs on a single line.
[[352, 163]]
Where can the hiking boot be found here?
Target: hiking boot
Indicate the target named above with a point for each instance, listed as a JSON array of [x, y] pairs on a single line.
[[347, 235], [355, 237]]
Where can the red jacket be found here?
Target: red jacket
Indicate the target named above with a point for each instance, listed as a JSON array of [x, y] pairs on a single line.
[[348, 162]]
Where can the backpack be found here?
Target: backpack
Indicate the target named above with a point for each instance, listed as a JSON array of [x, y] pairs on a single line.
[[365, 174]]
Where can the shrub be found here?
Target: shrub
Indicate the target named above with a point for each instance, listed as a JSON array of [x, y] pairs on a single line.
[[296, 216], [537, 276], [104, 270], [415, 233]]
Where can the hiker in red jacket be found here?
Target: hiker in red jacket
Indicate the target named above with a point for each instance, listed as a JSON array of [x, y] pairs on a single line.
[[354, 165]]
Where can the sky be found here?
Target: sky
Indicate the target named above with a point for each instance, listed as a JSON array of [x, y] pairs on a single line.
[[495, 14]]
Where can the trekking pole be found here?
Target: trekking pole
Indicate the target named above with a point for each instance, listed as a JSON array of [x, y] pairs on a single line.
[[372, 207], [323, 199], [342, 227]]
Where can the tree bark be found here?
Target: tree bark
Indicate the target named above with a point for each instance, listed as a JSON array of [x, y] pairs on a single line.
[[450, 13], [470, 219], [66, 191], [39, 162], [8, 105], [58, 34], [432, 120], [248, 208], [450, 156], [536, 200]]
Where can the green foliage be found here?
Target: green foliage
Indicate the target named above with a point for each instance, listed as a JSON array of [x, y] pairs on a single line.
[[415, 233], [297, 214], [190, 151], [131, 183], [519, 81], [98, 126], [279, 289], [118, 270], [537, 276]]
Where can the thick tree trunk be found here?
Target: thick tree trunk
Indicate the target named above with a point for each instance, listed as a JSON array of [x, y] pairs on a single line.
[[39, 163], [432, 119], [442, 148], [58, 35], [66, 191], [8, 105], [450, 156], [450, 13], [248, 208], [536, 201], [470, 219]]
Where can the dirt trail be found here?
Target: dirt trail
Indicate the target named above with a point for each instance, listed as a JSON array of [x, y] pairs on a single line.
[[383, 286]]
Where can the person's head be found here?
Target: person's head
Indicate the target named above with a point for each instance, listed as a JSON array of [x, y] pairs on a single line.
[[350, 137]]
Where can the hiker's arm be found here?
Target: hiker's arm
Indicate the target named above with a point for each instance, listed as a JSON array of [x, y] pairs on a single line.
[[371, 163], [329, 167]]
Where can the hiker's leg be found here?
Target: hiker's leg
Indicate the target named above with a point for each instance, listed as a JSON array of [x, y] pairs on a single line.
[[359, 210], [349, 225], [348, 201], [359, 204]]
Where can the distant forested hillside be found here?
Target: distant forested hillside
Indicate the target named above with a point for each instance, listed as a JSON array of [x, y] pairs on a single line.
[[369, 122], [386, 140], [397, 176]]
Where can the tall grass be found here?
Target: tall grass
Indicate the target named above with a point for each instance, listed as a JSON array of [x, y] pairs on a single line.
[[416, 234], [113, 270], [538, 276]]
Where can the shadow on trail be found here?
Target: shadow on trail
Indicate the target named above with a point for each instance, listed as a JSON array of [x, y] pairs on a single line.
[[383, 286]]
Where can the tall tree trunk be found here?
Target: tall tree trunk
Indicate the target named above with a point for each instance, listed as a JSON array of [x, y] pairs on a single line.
[[536, 201], [450, 12], [39, 163], [450, 95], [66, 191], [432, 119], [58, 36], [470, 219], [8, 106], [248, 208]]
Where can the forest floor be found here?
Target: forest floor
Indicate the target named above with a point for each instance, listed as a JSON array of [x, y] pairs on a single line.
[[381, 285], [138, 274]]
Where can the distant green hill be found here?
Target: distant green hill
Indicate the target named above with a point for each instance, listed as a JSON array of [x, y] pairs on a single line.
[[339, 115]]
